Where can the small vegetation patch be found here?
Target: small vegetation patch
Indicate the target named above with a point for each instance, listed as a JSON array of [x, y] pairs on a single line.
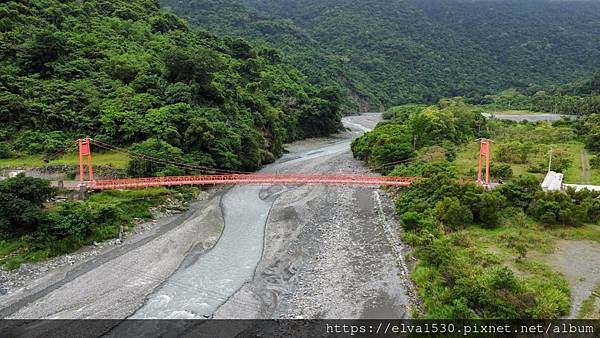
[[590, 309]]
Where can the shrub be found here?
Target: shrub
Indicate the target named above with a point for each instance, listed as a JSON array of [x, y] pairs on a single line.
[[452, 213], [489, 208], [437, 253], [21, 203], [595, 162], [5, 150], [425, 169], [501, 170], [414, 221], [503, 278], [73, 219]]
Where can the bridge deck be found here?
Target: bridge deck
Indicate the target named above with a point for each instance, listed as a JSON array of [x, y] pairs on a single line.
[[327, 179]]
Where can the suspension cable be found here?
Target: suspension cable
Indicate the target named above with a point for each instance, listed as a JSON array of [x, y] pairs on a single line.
[[166, 161], [61, 151]]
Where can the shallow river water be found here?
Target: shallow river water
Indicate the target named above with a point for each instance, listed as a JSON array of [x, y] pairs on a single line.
[[203, 283]]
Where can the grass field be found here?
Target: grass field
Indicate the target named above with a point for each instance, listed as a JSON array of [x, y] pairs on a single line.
[[541, 244], [468, 156], [113, 159]]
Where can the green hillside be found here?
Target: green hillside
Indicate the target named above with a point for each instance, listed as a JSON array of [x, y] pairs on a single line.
[[233, 18], [534, 41], [392, 52], [127, 72]]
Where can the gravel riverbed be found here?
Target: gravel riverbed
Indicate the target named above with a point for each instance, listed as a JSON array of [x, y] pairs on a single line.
[[326, 253]]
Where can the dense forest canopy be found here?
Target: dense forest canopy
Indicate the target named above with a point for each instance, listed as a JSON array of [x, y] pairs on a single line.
[[580, 97], [233, 18], [392, 52], [126, 72], [544, 38]]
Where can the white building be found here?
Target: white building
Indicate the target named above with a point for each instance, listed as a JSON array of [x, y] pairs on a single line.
[[554, 182]]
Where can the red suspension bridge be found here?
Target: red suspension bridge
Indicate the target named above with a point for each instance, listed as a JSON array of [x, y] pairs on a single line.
[[212, 176], [132, 183]]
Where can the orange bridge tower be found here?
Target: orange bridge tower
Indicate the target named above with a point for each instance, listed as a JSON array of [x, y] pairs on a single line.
[[484, 151], [85, 149]]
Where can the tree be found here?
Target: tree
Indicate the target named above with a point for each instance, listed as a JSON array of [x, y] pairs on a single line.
[[520, 191], [419, 124], [126, 67], [166, 121], [191, 65], [35, 190], [127, 71], [594, 162], [178, 93], [46, 46], [501, 170], [21, 204], [122, 126], [556, 207], [5, 150]]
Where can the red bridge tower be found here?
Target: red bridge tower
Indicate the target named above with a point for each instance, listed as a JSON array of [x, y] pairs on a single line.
[[484, 151], [85, 150]]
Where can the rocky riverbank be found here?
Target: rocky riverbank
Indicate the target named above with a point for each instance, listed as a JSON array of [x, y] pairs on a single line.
[[112, 278]]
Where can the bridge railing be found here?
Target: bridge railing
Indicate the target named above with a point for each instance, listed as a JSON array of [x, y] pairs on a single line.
[[259, 178]]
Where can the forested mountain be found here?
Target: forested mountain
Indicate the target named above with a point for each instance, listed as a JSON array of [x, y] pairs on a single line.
[[323, 68], [542, 39], [127, 72], [411, 51]]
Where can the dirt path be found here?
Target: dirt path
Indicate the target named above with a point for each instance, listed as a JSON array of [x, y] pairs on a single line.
[[586, 173], [579, 262]]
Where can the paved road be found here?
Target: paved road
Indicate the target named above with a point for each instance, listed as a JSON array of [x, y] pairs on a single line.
[[527, 117]]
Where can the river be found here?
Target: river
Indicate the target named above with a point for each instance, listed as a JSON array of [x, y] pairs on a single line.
[[203, 283]]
